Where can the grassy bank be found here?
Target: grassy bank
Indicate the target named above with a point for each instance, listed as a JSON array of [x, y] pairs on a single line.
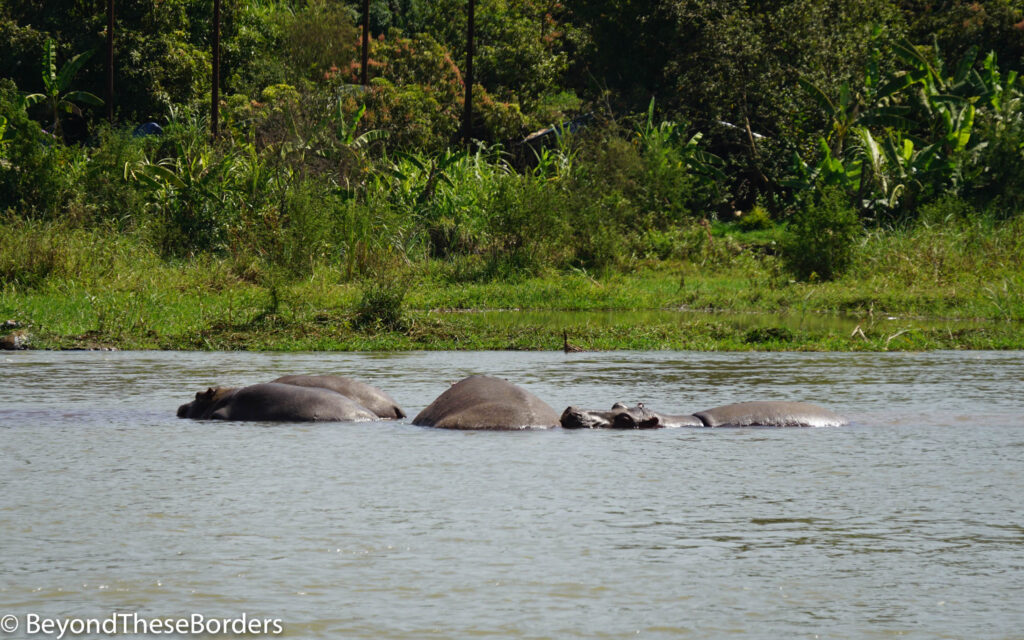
[[959, 286], [880, 180]]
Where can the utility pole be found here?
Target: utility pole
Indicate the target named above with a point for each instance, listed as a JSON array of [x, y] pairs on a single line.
[[215, 91], [110, 60], [365, 77], [467, 115]]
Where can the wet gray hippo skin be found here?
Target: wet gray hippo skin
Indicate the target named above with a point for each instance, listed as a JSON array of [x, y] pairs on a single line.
[[623, 417], [483, 402], [370, 397], [742, 414], [274, 402]]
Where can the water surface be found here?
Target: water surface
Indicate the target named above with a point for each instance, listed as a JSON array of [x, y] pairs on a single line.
[[906, 523]]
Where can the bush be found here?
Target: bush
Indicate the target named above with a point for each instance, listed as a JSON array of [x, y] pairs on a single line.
[[29, 253], [757, 219], [819, 242], [37, 172], [381, 307], [413, 116], [194, 195], [946, 211], [108, 196], [320, 36], [528, 227], [311, 229]]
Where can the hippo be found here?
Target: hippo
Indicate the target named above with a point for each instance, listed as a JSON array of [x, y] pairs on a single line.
[[486, 403], [273, 401], [623, 417], [742, 414], [370, 397]]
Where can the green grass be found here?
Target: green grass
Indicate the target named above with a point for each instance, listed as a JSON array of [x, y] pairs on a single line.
[[952, 288]]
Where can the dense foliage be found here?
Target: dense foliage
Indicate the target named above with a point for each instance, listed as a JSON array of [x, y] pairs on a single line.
[[801, 121]]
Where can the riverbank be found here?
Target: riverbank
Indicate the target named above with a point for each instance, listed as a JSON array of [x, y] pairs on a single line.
[[207, 305]]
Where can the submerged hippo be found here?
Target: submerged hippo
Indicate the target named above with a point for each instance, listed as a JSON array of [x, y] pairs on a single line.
[[483, 402], [742, 414], [622, 417], [273, 401], [370, 397]]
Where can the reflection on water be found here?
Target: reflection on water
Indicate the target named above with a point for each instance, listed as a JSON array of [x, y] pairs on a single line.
[[905, 523]]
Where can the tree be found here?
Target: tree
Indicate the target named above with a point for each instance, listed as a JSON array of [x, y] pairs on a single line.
[[56, 86]]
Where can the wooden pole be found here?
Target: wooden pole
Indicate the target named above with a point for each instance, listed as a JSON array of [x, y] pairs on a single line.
[[215, 90], [365, 75], [110, 60], [467, 115]]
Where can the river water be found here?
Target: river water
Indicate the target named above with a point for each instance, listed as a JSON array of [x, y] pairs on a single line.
[[909, 522]]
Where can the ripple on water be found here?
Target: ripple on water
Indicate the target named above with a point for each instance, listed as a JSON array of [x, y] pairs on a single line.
[[903, 523]]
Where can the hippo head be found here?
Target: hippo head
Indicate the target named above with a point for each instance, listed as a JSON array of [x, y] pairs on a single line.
[[620, 417], [574, 418], [203, 405]]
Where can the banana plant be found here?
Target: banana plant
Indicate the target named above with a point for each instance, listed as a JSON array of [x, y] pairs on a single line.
[[56, 85], [558, 162], [194, 191], [417, 178], [666, 139], [908, 131], [335, 136], [185, 171], [345, 131]]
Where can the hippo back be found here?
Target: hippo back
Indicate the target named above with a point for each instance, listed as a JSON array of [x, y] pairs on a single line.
[[374, 399], [770, 414], [484, 402], [279, 403]]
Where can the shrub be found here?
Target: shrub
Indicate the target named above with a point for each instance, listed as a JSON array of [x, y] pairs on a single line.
[[819, 242], [310, 223], [109, 197], [381, 306], [194, 194], [37, 172], [757, 219], [413, 116], [527, 225], [320, 38], [947, 210], [29, 253]]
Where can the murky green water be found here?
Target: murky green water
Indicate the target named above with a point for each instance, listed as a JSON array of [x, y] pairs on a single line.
[[906, 523]]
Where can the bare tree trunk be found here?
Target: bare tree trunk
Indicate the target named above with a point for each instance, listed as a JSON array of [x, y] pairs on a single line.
[[365, 75], [467, 116], [110, 60], [215, 90]]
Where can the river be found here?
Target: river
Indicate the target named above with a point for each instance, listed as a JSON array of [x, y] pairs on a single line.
[[909, 522]]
